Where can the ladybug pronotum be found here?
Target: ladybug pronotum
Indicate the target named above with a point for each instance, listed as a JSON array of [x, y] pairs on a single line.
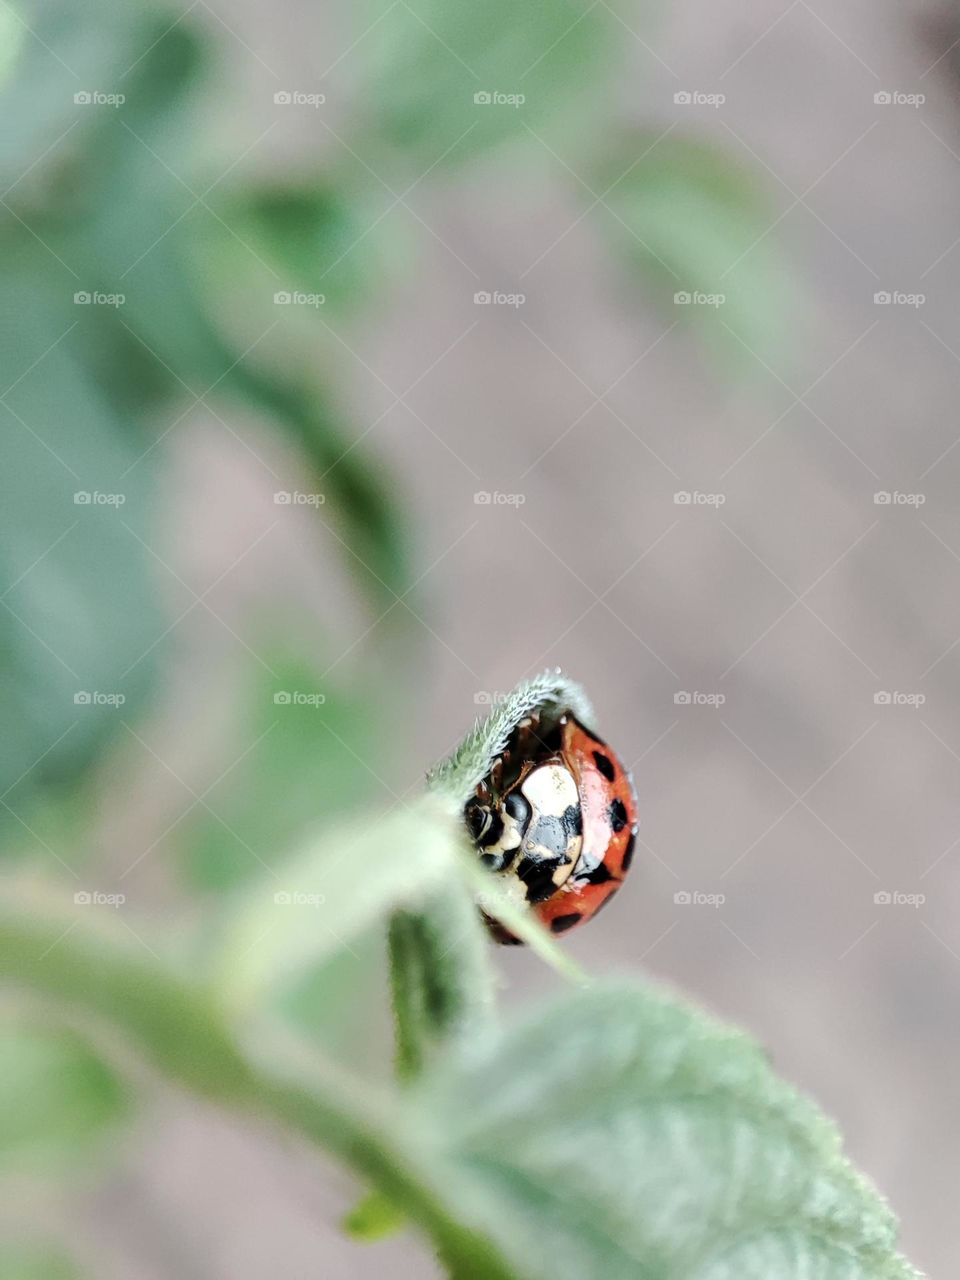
[[556, 819]]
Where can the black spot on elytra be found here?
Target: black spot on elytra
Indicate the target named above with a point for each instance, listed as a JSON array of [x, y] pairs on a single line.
[[560, 924], [628, 852], [537, 875], [599, 875], [617, 814], [605, 765]]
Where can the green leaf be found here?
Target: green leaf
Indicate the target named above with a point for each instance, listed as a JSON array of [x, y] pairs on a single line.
[[344, 881], [179, 1027], [340, 1004], [361, 491], [79, 620], [12, 32], [39, 43], [130, 228], [374, 1218], [59, 1099], [426, 61], [324, 237], [621, 1135], [35, 1262], [308, 738], [615, 1136], [694, 222]]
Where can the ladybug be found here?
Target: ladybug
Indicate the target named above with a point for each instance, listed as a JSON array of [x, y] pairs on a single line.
[[556, 818]]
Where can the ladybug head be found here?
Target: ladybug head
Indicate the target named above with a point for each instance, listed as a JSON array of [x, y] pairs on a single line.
[[497, 827]]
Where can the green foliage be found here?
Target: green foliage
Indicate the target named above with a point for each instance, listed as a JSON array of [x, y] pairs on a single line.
[[617, 1133], [78, 614], [427, 60], [103, 200], [119, 201], [59, 1099], [301, 767], [35, 1262], [341, 883], [373, 1219], [621, 1134], [321, 236], [693, 222]]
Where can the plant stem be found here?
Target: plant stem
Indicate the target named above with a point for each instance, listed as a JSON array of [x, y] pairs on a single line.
[[441, 975], [407, 1001], [177, 1027]]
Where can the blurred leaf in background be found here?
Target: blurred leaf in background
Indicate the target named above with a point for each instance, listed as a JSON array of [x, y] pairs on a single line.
[[107, 345], [76, 500], [316, 756], [447, 79], [322, 236], [696, 227], [318, 748], [35, 1262], [59, 1101], [12, 32]]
